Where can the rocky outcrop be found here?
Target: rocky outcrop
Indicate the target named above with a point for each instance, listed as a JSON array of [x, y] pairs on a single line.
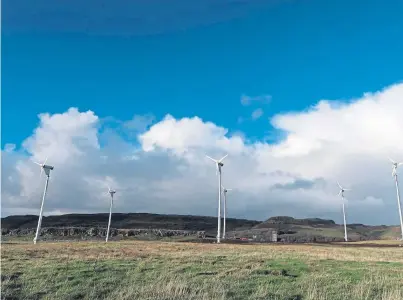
[[256, 235], [93, 232], [314, 239]]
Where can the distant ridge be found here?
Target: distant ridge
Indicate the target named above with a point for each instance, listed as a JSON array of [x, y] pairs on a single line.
[[293, 221], [126, 221], [288, 228]]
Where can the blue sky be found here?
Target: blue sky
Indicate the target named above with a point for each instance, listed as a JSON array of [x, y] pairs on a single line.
[[123, 63], [296, 51]]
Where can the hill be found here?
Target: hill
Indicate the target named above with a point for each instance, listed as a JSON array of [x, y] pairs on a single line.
[[319, 230], [126, 221], [287, 229]]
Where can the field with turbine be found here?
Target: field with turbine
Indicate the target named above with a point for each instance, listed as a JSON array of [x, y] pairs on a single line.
[[158, 270]]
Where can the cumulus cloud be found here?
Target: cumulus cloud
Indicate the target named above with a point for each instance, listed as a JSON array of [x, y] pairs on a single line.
[[248, 100], [257, 113], [299, 184], [164, 169], [9, 147], [140, 122]]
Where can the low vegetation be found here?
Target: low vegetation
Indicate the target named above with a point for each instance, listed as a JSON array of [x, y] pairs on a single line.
[[168, 270]]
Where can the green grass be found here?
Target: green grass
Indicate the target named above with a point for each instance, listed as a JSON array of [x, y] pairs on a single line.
[[329, 232], [167, 270]]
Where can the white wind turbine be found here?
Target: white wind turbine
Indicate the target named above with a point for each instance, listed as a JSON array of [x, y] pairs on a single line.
[[112, 193], [225, 191], [394, 174], [342, 190], [219, 165], [47, 169]]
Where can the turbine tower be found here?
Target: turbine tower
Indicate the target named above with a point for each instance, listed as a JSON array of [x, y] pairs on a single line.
[[47, 169], [394, 174], [342, 190], [219, 165], [225, 191], [112, 193]]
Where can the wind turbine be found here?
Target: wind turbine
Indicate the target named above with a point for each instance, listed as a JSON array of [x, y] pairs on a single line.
[[47, 169], [112, 193], [342, 190], [225, 191], [394, 174], [219, 165]]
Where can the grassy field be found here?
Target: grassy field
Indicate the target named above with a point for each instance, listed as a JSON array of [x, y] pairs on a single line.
[[164, 270], [375, 242]]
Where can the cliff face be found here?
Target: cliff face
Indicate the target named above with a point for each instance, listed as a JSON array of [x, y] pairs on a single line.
[[93, 232]]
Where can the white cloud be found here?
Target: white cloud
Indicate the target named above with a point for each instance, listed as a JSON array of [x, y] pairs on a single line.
[[139, 123], [165, 170], [9, 147], [248, 100], [257, 113], [64, 136]]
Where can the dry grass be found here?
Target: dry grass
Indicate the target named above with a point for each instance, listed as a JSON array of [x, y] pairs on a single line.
[[142, 249], [158, 270], [376, 242]]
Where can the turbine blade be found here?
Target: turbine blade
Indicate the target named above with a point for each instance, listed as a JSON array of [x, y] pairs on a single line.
[[37, 163], [45, 160], [40, 176], [339, 185], [347, 189], [216, 170], [339, 193], [211, 159], [223, 158], [229, 189], [393, 162], [399, 164], [222, 187]]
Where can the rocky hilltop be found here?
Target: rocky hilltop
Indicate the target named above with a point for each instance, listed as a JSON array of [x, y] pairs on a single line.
[[281, 220]]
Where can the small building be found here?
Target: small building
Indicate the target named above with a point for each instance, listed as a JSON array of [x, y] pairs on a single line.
[[274, 237]]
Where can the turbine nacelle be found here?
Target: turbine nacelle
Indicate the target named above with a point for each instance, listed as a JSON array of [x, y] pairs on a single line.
[[45, 167], [394, 166], [342, 189], [224, 190], [218, 162], [111, 192]]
